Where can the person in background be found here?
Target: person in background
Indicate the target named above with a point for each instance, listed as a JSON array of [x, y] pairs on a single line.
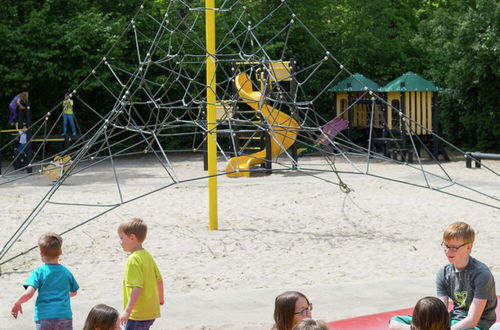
[[68, 116], [18, 103]]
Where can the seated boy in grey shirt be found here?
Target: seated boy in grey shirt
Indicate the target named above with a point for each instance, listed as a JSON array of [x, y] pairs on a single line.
[[465, 280]]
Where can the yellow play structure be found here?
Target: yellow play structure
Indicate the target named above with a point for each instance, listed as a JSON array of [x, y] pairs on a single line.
[[353, 102], [410, 93], [413, 95], [283, 129]]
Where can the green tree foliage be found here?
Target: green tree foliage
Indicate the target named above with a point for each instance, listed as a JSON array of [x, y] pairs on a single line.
[[50, 46], [462, 44], [369, 37], [373, 37]]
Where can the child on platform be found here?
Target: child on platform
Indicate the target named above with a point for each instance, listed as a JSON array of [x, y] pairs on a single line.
[[68, 116], [18, 103], [22, 142], [55, 285], [142, 281], [465, 280]]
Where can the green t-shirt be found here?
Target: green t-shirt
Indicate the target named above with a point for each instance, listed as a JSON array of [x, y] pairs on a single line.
[[68, 106], [141, 271]]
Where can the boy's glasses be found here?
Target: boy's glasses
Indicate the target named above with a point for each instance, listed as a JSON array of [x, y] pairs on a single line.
[[305, 311], [452, 248]]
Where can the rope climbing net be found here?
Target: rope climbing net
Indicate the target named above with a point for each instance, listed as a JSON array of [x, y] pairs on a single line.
[[271, 98]]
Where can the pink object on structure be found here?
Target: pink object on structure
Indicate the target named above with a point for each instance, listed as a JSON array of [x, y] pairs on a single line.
[[331, 129]]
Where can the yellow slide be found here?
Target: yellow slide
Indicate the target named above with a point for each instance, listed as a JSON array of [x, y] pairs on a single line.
[[284, 129]]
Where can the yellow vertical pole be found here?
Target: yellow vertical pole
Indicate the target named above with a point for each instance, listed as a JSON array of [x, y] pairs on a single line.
[[424, 112], [211, 114], [418, 114], [429, 111]]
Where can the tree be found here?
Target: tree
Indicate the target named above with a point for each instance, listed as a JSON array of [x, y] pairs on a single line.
[[51, 46], [463, 49]]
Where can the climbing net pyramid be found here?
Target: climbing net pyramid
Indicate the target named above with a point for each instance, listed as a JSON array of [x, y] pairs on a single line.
[[273, 104]]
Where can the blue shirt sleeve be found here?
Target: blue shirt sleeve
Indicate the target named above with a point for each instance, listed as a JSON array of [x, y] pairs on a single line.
[[33, 280], [73, 285]]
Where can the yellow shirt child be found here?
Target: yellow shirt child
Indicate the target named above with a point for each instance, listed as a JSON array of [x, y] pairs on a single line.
[[142, 281]]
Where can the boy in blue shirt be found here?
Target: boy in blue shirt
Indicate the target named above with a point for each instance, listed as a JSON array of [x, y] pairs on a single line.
[[55, 285]]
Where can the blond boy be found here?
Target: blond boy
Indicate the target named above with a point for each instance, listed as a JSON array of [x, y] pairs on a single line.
[[142, 281], [55, 285], [465, 280]]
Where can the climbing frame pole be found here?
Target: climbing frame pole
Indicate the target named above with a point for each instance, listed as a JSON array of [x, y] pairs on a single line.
[[211, 114]]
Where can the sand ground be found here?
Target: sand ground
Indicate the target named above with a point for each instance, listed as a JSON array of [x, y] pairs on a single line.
[[372, 250]]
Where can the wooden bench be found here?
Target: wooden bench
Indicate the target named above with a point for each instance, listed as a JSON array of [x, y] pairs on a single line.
[[477, 157]]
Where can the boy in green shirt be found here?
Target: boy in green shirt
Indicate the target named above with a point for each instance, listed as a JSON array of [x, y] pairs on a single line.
[[142, 281]]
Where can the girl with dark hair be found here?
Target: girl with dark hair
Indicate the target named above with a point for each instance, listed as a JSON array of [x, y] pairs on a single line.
[[102, 317], [290, 308], [430, 313]]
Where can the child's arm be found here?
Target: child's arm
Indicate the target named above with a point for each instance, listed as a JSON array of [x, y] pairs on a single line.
[[20, 104], [160, 292], [444, 299], [473, 316], [72, 294], [134, 295], [16, 308]]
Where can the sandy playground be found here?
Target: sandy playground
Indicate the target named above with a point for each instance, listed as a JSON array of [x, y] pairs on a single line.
[[373, 250]]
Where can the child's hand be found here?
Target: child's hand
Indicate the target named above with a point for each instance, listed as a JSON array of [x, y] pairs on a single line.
[[162, 301], [16, 309], [124, 317]]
